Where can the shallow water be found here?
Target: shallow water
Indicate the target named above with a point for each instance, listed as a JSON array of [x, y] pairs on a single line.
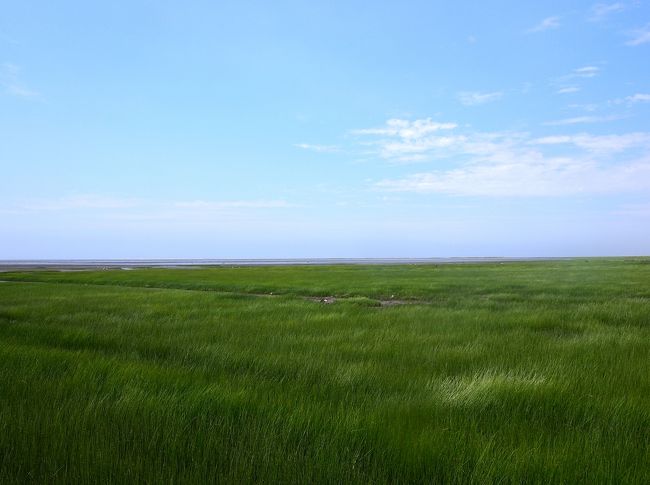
[[64, 264]]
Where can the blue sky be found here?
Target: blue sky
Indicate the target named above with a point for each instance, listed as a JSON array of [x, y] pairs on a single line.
[[324, 129]]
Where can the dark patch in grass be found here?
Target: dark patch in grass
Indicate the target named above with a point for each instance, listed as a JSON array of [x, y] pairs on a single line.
[[325, 300]]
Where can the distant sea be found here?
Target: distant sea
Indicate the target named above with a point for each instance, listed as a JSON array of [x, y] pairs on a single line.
[[188, 263]]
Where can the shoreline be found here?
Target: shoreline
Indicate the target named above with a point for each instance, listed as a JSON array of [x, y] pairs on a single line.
[[83, 264]]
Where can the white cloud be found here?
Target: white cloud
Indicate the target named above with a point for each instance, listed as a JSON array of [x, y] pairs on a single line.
[[567, 83], [587, 71], [514, 164], [600, 145], [582, 119], [473, 98], [318, 148], [399, 147], [630, 100], [638, 98], [414, 150], [408, 141], [568, 90], [407, 129], [639, 36], [10, 80], [549, 23], [601, 10], [545, 177], [585, 106]]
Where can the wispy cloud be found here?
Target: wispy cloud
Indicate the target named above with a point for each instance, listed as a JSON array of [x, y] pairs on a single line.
[[600, 145], [638, 98], [567, 84], [587, 71], [639, 36], [581, 119], [630, 100], [590, 107], [406, 129], [515, 164], [407, 141], [473, 98], [528, 178], [549, 23], [584, 72], [318, 148], [10, 80], [601, 11], [568, 90]]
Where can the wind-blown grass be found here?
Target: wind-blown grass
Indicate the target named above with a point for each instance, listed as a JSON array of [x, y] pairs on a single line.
[[521, 372]]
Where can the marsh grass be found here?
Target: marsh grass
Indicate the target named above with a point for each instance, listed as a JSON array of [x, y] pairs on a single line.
[[523, 372]]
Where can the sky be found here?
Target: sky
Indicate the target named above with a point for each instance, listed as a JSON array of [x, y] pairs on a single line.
[[244, 129]]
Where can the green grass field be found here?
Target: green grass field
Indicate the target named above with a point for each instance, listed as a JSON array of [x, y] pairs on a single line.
[[510, 373]]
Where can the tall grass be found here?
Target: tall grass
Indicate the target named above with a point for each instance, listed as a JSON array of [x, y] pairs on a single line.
[[526, 372]]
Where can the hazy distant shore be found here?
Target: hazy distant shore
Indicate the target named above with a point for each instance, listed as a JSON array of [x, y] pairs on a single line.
[[78, 264]]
